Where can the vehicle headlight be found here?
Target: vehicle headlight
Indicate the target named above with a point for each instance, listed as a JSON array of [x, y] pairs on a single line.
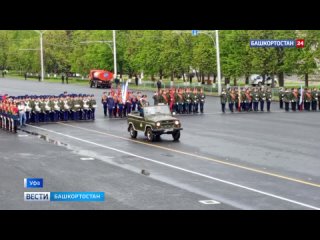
[[177, 122], [158, 124]]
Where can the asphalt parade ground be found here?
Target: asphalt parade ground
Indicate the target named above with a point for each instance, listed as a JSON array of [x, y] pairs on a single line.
[[239, 161]]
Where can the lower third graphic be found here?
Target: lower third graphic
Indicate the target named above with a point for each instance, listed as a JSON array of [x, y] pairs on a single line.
[[64, 196]]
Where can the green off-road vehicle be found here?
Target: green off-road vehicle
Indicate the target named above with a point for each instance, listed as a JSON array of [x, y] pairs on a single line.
[[154, 121]]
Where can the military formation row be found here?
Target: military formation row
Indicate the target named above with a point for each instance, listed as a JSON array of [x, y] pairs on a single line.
[[246, 99], [181, 100], [36, 109], [299, 99], [115, 104]]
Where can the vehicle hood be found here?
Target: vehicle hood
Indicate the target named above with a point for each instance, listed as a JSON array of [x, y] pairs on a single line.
[[159, 118]]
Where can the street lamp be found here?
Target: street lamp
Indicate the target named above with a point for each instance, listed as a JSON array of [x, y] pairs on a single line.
[[113, 49], [41, 52], [114, 53], [218, 62], [216, 44]]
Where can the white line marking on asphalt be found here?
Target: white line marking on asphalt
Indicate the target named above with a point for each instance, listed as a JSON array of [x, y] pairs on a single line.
[[87, 159], [209, 202], [183, 169]]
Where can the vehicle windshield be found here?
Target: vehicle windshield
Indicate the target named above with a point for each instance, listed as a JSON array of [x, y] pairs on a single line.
[[154, 110]]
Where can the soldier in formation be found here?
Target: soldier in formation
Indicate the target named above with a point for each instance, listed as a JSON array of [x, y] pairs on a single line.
[[247, 99], [301, 99], [9, 114], [181, 100]]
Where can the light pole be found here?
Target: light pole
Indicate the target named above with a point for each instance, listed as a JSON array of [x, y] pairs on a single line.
[[218, 62], [216, 44], [41, 52], [113, 49], [114, 53]]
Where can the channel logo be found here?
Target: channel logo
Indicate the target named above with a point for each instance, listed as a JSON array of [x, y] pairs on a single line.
[[33, 183], [37, 196], [286, 43], [64, 196], [77, 196]]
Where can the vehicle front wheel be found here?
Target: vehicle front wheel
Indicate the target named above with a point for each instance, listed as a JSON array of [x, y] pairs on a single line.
[[176, 135], [133, 133], [150, 135]]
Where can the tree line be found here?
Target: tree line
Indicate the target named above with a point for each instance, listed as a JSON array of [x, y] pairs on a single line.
[[161, 53]]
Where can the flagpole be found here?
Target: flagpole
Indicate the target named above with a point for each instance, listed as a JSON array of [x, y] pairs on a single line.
[[239, 99]]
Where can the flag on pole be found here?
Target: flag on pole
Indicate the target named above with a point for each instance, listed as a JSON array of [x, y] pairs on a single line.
[[112, 91], [124, 91], [239, 99], [301, 98]]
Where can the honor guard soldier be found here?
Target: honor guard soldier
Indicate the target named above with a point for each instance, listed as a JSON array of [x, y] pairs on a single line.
[[120, 106], [195, 101], [92, 106], [319, 99], [171, 100], [314, 99], [202, 98], [269, 98], [286, 99], [104, 103], [248, 106], [180, 101], [187, 103], [76, 108], [281, 97], [223, 100], [36, 110], [255, 99], [262, 98], [111, 105], [243, 99], [236, 102], [231, 98], [294, 99], [128, 103], [307, 99]]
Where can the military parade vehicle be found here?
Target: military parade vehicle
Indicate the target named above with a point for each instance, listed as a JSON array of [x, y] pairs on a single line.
[[100, 78], [154, 121]]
